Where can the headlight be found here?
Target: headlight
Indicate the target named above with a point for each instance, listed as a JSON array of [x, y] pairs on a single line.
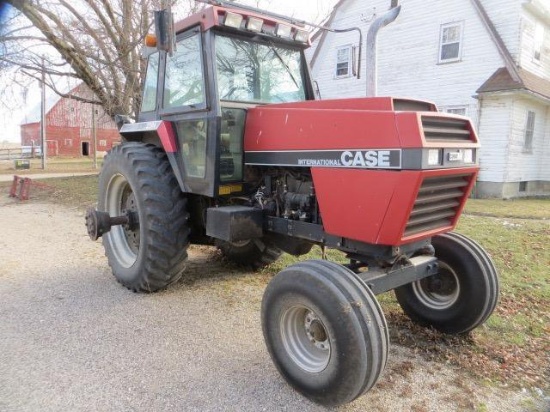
[[233, 20], [254, 24], [434, 157], [468, 156], [283, 31], [301, 36]]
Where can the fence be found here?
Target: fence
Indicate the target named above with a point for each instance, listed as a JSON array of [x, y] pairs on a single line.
[[22, 152]]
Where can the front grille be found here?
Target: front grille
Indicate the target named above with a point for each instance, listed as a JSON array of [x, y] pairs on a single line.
[[436, 204], [442, 129]]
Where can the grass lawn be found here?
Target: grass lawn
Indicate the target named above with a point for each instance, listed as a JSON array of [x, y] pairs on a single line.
[[513, 347]]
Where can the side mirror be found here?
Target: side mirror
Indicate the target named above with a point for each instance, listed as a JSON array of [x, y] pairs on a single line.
[[164, 31]]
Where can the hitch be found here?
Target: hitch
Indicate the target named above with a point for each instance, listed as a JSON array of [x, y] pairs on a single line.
[[99, 223]]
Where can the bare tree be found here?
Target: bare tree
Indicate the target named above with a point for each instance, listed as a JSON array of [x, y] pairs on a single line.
[[97, 42]]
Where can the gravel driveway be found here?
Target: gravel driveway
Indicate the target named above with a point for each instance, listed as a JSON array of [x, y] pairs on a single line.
[[73, 339]]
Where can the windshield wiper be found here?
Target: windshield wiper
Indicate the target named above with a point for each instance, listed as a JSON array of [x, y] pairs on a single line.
[[274, 50]]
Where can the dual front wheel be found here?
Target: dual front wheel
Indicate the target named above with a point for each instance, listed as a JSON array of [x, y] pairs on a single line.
[[328, 336], [461, 296], [325, 331]]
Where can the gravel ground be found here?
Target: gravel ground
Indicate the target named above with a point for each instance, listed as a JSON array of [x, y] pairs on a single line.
[[73, 339]]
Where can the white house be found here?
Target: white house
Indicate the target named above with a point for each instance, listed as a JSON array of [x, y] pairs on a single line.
[[487, 59]]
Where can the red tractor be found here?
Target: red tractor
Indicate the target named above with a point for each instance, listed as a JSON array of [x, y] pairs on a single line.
[[231, 148]]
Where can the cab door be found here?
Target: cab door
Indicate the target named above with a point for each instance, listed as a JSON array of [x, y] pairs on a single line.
[[184, 102]]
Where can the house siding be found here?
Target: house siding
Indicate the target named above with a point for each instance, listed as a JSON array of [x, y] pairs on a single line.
[[506, 163], [408, 66], [541, 67], [524, 165], [544, 171], [324, 70], [495, 125], [506, 17], [408, 52]]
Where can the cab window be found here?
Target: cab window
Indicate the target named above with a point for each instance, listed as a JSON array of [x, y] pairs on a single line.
[[148, 103], [184, 80], [258, 72]]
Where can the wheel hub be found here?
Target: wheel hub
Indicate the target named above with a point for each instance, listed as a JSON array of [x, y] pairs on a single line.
[[305, 339], [131, 229], [439, 291], [315, 331], [443, 285]]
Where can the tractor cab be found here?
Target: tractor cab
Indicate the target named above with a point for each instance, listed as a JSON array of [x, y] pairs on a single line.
[[222, 62]]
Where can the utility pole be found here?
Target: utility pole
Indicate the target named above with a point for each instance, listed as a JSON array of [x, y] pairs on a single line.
[[43, 118], [94, 135]]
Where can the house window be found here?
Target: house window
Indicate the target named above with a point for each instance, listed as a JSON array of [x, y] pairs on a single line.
[[529, 131], [68, 142], [450, 45], [343, 61], [523, 186], [103, 143], [538, 40], [457, 110]]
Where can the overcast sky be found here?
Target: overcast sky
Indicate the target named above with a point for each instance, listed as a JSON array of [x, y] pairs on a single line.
[[312, 11]]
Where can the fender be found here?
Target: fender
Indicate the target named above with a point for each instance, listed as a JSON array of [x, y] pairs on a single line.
[[159, 131]]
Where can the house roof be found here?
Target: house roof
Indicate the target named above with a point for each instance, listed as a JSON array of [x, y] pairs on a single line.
[[323, 33], [502, 80]]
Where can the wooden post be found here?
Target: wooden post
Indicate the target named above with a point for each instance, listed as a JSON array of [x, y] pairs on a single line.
[[94, 135], [43, 118]]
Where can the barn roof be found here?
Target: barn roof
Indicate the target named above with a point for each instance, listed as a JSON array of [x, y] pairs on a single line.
[[33, 115], [52, 98]]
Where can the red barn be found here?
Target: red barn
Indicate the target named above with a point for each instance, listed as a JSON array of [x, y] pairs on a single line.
[[69, 126]]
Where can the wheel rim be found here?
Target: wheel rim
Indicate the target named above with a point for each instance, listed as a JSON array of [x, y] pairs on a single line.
[[124, 239], [305, 339], [440, 291]]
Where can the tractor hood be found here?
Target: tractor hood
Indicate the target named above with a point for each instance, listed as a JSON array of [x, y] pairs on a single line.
[[385, 171]]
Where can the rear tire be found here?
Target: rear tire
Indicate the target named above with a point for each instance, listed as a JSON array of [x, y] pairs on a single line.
[[254, 253], [325, 331], [464, 293], [150, 253]]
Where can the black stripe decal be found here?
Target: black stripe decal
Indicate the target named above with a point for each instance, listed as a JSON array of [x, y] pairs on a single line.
[[352, 158]]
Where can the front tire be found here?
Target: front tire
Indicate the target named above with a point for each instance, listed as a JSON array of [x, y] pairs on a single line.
[[325, 331], [149, 253], [464, 293]]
